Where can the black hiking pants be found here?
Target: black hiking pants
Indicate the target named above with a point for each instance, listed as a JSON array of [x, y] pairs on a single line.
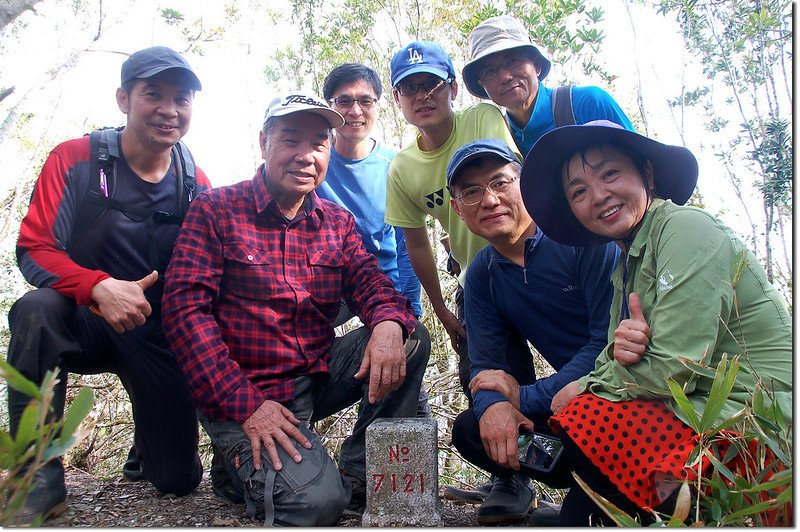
[[49, 330]]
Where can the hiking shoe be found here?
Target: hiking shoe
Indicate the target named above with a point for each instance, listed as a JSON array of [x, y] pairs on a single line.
[[509, 500], [546, 514], [474, 495], [47, 498], [132, 468], [222, 485]]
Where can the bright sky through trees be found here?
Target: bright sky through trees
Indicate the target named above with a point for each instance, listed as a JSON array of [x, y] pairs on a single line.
[[53, 102]]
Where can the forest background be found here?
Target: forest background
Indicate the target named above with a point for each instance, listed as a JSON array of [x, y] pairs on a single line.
[[713, 76]]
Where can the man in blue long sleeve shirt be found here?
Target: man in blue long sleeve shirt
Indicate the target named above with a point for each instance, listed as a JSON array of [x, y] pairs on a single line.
[[556, 296]]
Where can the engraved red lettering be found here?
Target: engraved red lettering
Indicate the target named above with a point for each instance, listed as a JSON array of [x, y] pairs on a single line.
[[405, 452], [409, 483], [378, 480], [394, 454], [394, 484], [422, 483]]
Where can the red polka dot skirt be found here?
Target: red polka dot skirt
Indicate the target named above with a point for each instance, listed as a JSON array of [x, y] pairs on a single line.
[[642, 447], [628, 442]]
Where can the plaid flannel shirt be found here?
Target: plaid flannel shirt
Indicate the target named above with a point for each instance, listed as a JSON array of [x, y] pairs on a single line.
[[250, 295]]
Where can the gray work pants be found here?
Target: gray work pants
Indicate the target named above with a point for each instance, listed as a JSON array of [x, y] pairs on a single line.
[[312, 492]]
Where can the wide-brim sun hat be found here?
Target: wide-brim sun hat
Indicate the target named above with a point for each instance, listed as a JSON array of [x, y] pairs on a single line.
[[498, 34], [675, 173]]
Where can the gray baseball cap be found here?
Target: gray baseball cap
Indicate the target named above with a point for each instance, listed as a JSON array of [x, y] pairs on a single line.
[[297, 102], [154, 60], [498, 34]]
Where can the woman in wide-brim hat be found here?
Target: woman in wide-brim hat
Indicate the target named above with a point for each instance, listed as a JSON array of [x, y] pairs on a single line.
[[685, 287]]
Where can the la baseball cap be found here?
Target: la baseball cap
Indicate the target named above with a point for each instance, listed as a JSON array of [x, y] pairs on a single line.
[[421, 56]]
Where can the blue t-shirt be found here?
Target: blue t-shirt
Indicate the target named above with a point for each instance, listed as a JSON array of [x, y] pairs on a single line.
[[559, 302], [360, 187], [588, 103]]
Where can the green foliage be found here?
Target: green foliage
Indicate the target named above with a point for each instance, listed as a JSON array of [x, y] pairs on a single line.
[[38, 439], [748, 47], [195, 31], [774, 154]]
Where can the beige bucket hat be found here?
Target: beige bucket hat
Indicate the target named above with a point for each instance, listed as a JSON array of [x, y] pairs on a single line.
[[494, 35]]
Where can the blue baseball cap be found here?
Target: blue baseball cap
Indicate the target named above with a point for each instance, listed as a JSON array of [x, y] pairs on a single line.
[[421, 56], [475, 150], [154, 60]]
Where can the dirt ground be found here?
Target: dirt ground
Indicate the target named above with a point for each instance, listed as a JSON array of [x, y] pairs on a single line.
[[93, 502]]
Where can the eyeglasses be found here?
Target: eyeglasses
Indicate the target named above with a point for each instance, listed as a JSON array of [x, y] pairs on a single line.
[[346, 102], [473, 195], [509, 63], [431, 86]]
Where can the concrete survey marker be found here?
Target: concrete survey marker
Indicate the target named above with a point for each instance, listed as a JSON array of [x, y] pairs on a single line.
[[402, 473]]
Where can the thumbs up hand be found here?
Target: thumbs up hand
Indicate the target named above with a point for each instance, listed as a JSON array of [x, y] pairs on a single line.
[[632, 335], [122, 303]]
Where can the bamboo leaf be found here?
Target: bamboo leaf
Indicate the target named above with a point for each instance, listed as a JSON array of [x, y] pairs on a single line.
[[697, 367], [617, 515], [80, 407], [720, 390], [757, 508], [18, 381], [771, 484], [683, 403], [26, 429], [719, 466], [683, 503], [738, 417]]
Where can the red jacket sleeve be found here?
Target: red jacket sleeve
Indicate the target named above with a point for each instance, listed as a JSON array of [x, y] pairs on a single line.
[[46, 228]]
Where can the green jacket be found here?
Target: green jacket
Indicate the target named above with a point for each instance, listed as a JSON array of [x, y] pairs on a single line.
[[682, 264]]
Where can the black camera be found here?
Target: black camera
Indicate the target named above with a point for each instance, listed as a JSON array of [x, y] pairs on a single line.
[[539, 452]]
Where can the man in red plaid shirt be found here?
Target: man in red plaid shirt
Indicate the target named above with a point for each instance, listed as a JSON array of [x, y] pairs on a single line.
[[254, 283]]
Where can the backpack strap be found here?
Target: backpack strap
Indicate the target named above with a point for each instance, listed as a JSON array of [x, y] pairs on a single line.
[[563, 114], [187, 176], [104, 154]]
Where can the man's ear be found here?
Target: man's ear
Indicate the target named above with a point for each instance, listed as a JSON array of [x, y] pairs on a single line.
[[456, 207], [453, 90], [396, 96], [262, 142], [123, 102]]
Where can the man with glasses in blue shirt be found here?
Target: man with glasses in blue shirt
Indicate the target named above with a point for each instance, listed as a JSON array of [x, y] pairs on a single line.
[[356, 180]]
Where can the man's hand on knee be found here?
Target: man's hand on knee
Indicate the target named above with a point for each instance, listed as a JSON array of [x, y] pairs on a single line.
[[271, 425], [500, 426], [384, 360], [499, 381]]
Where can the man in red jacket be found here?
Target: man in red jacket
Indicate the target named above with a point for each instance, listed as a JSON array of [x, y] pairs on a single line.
[[95, 243]]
